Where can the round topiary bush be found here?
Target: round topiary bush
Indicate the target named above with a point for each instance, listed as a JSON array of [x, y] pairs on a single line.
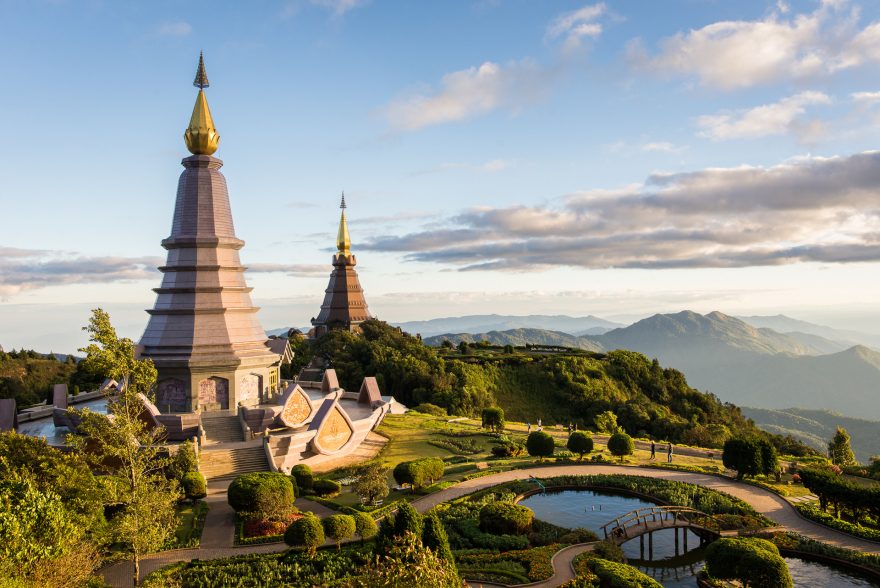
[[580, 443], [339, 527], [365, 526], [263, 494], [620, 444], [504, 518], [306, 532], [326, 488], [303, 476], [752, 561], [194, 486], [540, 444]]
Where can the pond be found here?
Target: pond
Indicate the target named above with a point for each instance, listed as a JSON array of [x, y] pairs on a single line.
[[591, 509]]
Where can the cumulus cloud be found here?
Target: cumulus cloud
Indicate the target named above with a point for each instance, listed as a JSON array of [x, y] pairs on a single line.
[[31, 269], [576, 25], [468, 93], [769, 119], [175, 29], [783, 45], [810, 209]]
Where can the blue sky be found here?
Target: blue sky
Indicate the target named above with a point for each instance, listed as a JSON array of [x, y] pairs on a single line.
[[618, 158]]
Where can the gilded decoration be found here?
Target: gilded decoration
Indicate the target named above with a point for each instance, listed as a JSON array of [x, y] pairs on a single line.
[[335, 432], [297, 409]]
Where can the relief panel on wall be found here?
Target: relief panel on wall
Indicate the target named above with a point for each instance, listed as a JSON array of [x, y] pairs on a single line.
[[172, 396], [335, 431], [214, 393], [249, 389], [297, 408]]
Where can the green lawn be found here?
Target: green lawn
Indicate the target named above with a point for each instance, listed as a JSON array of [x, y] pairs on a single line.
[[191, 521]]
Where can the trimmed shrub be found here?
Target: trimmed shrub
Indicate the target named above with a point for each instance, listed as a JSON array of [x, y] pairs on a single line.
[[306, 532], [304, 477], [493, 419], [754, 562], [434, 537], [419, 472], [609, 550], [619, 575], [504, 518], [431, 409], [194, 486], [326, 488], [580, 443], [264, 494], [620, 445], [540, 444], [184, 461], [339, 527], [365, 526], [407, 519]]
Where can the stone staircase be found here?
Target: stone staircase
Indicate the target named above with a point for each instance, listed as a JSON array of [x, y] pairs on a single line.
[[221, 427], [219, 462]]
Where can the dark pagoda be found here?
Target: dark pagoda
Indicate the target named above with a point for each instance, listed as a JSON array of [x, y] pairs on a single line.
[[344, 306]]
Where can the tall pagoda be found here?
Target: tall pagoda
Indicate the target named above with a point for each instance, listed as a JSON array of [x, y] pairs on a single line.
[[344, 306], [203, 333]]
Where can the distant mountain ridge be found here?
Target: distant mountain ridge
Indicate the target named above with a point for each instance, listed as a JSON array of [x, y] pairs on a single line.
[[740, 363], [483, 323], [785, 324]]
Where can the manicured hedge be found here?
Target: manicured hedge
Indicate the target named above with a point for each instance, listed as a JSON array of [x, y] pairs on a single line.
[[752, 561], [303, 476], [326, 488], [194, 486], [419, 472], [263, 494], [503, 518], [842, 494], [822, 517]]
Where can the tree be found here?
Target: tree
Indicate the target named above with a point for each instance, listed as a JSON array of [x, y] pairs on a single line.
[[407, 519], [621, 445], [769, 458], [606, 422], [447, 344], [580, 443], [493, 419], [408, 564], [305, 532], [372, 484], [743, 455], [463, 348], [339, 527], [194, 486], [419, 472], [434, 537], [264, 495], [540, 444], [184, 461], [126, 448], [364, 525], [839, 449]]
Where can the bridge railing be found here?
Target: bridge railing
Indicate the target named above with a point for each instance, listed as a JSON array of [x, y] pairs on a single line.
[[651, 514]]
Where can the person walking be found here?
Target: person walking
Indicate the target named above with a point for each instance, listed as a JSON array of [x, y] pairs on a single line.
[[669, 454], [653, 450], [528, 428]]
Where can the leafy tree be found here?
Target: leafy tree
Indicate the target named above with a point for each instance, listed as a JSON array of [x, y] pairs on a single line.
[[493, 419], [419, 472], [839, 449], [408, 564], [372, 484], [769, 458], [126, 448], [339, 527], [407, 519], [302, 355], [434, 537], [447, 344], [184, 461], [606, 422], [580, 443], [749, 457], [463, 348], [540, 444], [305, 532], [194, 486], [365, 525], [621, 445]]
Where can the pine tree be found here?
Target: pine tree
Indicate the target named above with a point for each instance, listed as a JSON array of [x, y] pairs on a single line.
[[839, 449]]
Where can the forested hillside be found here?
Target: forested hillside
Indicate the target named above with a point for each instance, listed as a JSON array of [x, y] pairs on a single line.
[[554, 386], [27, 376]]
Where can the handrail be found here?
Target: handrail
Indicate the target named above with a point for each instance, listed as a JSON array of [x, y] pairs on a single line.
[[641, 516]]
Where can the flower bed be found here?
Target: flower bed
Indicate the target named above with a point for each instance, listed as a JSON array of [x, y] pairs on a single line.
[[255, 532]]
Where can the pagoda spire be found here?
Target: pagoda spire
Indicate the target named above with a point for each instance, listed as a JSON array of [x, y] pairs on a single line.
[[343, 241], [201, 136]]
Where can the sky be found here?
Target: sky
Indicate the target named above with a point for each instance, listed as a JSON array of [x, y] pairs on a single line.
[[616, 158]]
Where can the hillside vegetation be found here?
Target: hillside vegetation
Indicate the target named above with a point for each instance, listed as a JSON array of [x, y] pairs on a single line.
[[28, 376], [554, 386]]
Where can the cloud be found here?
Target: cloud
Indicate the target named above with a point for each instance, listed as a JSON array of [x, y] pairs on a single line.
[[292, 269], [812, 209], [662, 147], [338, 7], [469, 93], [175, 29], [577, 24], [865, 98], [30, 269], [781, 46], [770, 119]]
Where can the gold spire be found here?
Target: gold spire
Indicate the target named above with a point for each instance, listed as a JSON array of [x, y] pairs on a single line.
[[201, 136], [343, 241]]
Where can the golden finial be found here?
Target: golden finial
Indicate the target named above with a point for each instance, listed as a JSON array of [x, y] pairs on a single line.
[[343, 241], [201, 137]]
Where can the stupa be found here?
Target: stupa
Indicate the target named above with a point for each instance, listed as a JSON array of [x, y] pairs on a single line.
[[344, 305], [203, 333]]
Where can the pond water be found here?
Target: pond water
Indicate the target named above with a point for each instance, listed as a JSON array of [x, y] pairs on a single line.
[[591, 509]]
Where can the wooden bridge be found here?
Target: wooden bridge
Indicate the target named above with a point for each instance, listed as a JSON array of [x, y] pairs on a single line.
[[644, 521]]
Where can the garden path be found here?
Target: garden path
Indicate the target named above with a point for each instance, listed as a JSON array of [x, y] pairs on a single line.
[[765, 502]]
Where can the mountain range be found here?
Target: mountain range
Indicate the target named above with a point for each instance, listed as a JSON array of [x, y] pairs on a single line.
[[739, 362], [482, 323]]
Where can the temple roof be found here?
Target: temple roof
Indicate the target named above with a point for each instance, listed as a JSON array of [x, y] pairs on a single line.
[[201, 136]]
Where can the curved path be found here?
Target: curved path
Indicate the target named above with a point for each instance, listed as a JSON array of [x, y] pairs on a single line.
[[765, 502]]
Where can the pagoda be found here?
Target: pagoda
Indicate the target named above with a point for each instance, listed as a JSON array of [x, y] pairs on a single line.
[[203, 333], [344, 306]]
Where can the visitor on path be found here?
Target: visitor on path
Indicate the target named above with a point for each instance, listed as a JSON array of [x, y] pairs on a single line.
[[528, 428], [653, 450], [669, 454]]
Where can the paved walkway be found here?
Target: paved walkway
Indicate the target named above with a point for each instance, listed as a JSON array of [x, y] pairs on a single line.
[[217, 536]]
